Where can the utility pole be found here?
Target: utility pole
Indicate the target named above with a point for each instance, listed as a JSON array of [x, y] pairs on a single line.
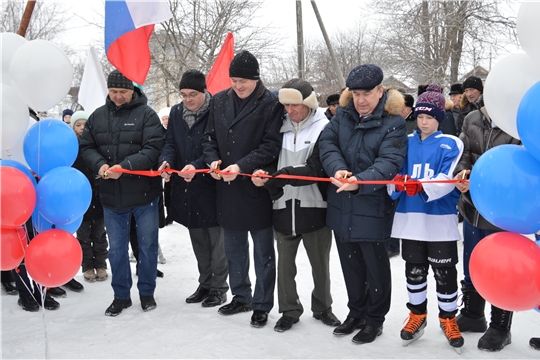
[[341, 80], [300, 40], [25, 21]]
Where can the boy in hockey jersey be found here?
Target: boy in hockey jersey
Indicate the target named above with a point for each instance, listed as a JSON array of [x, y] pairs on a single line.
[[426, 218]]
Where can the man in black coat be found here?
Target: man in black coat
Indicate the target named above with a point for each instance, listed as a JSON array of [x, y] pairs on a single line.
[[243, 135], [193, 198], [126, 133]]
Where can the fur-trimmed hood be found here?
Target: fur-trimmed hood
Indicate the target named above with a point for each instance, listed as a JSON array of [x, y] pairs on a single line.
[[395, 101], [449, 104]]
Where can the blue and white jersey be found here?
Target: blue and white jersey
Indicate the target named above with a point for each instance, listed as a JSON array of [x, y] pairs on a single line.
[[432, 214]]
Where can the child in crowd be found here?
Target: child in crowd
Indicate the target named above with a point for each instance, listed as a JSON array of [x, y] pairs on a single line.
[[426, 219], [91, 234]]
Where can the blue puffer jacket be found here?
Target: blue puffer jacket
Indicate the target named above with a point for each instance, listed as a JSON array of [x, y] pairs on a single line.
[[193, 203], [373, 149]]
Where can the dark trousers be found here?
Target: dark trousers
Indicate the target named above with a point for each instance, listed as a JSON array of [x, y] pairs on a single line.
[[366, 269], [209, 249], [93, 239], [471, 236]]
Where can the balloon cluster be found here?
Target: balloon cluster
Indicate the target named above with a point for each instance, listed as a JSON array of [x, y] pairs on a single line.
[[505, 181], [38, 74]]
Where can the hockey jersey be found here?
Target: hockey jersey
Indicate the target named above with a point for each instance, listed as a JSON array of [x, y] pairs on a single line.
[[432, 214]]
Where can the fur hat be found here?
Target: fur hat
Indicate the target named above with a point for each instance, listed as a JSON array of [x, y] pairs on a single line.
[[298, 91], [117, 80], [409, 100], [78, 115], [473, 82], [431, 102], [66, 112], [244, 65], [332, 99], [364, 77], [193, 79], [456, 89]]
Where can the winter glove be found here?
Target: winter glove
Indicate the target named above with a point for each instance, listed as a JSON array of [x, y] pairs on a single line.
[[275, 186], [413, 187], [400, 178]]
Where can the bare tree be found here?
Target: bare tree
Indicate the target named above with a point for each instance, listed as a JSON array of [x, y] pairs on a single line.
[[429, 41]]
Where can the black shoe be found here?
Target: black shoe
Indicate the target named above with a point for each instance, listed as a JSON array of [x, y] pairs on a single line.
[[148, 303], [467, 324], [215, 298], [168, 220], [285, 323], [28, 303], [535, 343], [494, 339], [367, 334], [234, 307], [160, 274], [57, 292], [328, 318], [9, 288], [50, 303], [259, 318], [199, 295], [117, 306], [349, 325], [74, 285]]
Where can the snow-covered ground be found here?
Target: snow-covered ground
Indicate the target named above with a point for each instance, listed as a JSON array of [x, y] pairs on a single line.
[[177, 330]]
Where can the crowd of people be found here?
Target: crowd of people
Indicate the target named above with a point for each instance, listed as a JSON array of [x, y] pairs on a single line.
[[368, 133]]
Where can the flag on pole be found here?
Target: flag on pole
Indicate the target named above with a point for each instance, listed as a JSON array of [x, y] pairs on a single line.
[[93, 90], [218, 77], [128, 27]]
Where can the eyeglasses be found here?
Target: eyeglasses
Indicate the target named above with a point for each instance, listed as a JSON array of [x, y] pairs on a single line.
[[190, 95]]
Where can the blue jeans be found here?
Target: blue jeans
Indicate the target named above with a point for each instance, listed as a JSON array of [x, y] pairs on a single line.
[[471, 236], [118, 223], [237, 252]]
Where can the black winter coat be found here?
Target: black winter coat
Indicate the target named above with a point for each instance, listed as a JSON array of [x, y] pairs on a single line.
[[95, 211], [193, 204], [131, 136], [478, 136], [373, 149], [251, 140]]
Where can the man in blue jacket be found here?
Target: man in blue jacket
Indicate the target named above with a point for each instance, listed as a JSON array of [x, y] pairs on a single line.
[[366, 140], [194, 197], [126, 133]]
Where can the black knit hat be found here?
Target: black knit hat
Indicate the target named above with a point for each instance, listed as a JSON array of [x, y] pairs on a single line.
[[431, 102], [456, 89], [298, 91], [473, 82], [117, 80], [193, 79], [244, 65], [364, 77], [332, 99]]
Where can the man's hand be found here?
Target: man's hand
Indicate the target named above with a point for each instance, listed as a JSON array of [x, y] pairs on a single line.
[[232, 169], [103, 171], [259, 181], [188, 177], [342, 180], [113, 175], [215, 165], [463, 186], [164, 175]]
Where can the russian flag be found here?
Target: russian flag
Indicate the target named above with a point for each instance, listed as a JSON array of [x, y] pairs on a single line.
[[128, 27]]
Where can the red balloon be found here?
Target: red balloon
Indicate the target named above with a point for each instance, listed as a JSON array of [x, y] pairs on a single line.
[[17, 197], [12, 247], [505, 270], [53, 257]]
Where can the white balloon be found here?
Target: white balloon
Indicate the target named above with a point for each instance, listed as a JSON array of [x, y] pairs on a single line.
[[14, 117], [41, 74], [528, 28], [505, 85], [10, 43], [16, 153]]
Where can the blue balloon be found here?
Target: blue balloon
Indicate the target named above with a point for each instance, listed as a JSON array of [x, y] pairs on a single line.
[[19, 166], [63, 195], [528, 120], [505, 188], [41, 224], [50, 143]]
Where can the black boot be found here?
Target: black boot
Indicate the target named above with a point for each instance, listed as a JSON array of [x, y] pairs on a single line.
[[498, 335], [471, 318]]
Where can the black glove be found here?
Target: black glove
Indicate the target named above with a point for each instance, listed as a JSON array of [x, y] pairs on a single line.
[[275, 186]]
